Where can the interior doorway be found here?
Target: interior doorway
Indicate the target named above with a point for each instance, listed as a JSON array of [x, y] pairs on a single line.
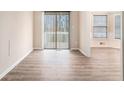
[[56, 30]]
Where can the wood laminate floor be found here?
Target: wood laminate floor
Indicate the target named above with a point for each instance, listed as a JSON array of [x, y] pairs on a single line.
[[68, 65]]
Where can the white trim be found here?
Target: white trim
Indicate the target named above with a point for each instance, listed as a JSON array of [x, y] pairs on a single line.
[[74, 48], [80, 51], [84, 53], [13, 65], [37, 48]]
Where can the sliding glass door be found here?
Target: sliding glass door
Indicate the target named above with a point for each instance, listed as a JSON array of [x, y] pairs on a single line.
[[56, 30], [50, 31]]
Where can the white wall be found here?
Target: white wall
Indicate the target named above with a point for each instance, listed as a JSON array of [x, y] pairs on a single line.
[[38, 41], [122, 54], [110, 41], [15, 37], [85, 28], [74, 30]]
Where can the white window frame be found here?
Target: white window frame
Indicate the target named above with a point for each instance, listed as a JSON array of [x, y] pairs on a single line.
[[105, 26]]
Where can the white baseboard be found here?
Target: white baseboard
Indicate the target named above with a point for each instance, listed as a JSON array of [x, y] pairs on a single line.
[[80, 51], [13, 65], [37, 48], [74, 49], [83, 53]]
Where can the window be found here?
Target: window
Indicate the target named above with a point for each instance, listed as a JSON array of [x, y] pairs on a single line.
[[100, 26], [117, 27]]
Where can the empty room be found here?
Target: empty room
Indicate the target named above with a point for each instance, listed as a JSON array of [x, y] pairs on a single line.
[[61, 46]]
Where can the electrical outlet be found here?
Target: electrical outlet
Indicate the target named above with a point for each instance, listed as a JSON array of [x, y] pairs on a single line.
[[101, 43]]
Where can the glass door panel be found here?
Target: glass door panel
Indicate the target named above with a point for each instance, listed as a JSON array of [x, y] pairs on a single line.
[[56, 30], [50, 31], [62, 31]]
